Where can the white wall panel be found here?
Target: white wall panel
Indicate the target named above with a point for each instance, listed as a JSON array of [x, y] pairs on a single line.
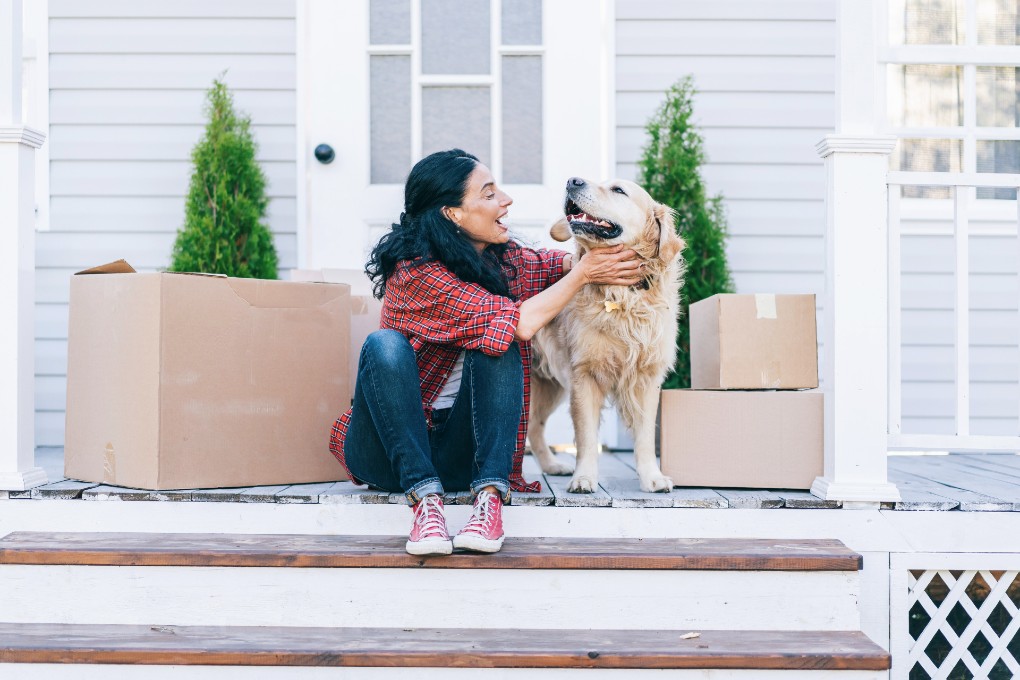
[[128, 83], [157, 71], [172, 36]]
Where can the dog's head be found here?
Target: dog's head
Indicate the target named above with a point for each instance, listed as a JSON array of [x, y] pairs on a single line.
[[614, 212]]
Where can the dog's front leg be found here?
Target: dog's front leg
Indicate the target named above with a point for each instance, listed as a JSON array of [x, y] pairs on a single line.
[[649, 474], [585, 409]]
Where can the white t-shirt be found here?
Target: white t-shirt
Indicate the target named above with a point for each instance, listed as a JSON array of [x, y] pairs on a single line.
[[450, 390]]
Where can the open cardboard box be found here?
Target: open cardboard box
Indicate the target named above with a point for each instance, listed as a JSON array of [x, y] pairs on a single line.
[[180, 381], [365, 309]]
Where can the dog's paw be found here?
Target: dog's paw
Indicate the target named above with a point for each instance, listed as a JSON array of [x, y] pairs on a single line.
[[557, 468], [656, 483], [583, 484]]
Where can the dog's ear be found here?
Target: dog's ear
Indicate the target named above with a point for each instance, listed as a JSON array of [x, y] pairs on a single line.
[[560, 231], [670, 244]]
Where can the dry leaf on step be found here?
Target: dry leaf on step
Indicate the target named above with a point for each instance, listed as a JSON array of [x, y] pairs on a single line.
[[690, 636]]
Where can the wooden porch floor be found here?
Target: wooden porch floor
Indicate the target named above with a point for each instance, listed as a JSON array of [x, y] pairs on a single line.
[[955, 482]]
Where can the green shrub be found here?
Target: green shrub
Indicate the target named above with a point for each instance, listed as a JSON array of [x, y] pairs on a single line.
[[670, 172], [223, 229]]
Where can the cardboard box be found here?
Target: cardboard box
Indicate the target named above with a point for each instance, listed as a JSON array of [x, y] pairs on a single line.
[[753, 439], [365, 309], [748, 342], [180, 381]]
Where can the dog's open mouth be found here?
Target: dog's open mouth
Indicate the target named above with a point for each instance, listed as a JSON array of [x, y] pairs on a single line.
[[582, 222]]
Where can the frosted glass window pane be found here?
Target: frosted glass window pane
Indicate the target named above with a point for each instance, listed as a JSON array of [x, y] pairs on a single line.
[[457, 117], [390, 22], [522, 120], [925, 95], [390, 118], [927, 22], [998, 156], [522, 22], [998, 22], [998, 96], [455, 36]]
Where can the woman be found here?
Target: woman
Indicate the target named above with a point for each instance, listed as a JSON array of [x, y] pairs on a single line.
[[441, 399]]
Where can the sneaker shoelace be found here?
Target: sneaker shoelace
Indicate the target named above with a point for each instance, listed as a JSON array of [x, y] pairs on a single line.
[[483, 515], [429, 517]]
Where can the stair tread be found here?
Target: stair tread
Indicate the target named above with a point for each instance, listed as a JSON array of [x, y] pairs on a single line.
[[449, 647], [294, 550]]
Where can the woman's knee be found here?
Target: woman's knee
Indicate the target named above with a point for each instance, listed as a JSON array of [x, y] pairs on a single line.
[[387, 347], [506, 369]]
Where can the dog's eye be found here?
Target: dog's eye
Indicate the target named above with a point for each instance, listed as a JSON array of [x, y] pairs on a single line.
[[619, 190]]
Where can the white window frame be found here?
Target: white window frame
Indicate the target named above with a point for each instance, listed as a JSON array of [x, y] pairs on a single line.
[[969, 56], [493, 80]]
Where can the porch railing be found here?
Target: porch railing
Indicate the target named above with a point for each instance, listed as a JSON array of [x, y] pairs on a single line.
[[961, 185]]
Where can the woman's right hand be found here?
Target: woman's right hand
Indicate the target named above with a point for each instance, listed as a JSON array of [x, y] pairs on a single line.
[[613, 265]]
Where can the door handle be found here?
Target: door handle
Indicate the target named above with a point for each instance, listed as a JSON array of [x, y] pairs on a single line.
[[324, 154]]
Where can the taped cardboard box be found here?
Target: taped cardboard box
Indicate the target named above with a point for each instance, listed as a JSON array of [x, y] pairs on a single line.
[[180, 381], [754, 439], [365, 309], [748, 342]]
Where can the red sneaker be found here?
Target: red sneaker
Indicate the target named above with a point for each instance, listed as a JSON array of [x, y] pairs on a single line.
[[428, 533], [484, 531]]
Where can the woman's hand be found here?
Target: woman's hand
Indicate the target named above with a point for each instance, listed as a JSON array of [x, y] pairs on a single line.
[[614, 265]]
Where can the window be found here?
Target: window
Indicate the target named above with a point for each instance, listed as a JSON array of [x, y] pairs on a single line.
[[953, 89]]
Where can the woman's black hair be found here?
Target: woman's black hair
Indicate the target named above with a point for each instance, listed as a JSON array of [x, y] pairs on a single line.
[[424, 234]]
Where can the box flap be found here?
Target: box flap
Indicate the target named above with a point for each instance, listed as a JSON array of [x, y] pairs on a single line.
[[286, 294], [115, 267]]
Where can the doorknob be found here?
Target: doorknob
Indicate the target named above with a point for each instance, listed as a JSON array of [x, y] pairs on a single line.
[[324, 154]]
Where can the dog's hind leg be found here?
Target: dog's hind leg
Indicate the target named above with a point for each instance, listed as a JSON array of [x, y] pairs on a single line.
[[641, 421], [586, 399], [546, 394]]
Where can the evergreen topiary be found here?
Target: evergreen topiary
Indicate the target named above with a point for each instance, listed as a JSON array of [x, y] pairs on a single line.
[[223, 230], [670, 173]]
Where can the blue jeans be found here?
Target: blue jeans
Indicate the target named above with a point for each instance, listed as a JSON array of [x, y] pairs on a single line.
[[469, 446]]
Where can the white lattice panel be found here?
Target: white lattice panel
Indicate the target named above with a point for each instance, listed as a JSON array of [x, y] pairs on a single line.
[[962, 624]]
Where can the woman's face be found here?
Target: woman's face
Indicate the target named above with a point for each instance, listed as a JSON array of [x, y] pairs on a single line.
[[482, 210]]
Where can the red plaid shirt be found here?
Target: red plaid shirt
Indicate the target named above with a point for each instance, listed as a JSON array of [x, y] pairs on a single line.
[[442, 315]]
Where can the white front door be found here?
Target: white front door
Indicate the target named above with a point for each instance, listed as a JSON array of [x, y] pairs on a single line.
[[525, 85]]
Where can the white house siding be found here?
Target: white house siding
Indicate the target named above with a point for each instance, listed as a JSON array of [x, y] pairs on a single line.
[[127, 87], [765, 76]]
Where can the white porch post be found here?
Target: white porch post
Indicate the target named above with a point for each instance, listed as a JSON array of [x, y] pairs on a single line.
[[17, 266], [856, 277]]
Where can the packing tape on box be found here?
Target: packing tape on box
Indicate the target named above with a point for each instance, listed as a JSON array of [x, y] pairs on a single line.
[[765, 305], [109, 465]]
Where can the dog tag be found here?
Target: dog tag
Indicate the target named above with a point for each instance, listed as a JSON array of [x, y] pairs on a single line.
[[610, 305]]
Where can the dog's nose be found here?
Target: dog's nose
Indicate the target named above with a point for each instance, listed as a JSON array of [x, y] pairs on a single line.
[[575, 182]]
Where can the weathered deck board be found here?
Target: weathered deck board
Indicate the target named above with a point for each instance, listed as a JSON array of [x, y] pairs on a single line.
[[921, 487], [439, 647], [280, 550], [963, 482], [348, 492], [563, 498], [943, 470], [751, 499], [302, 493], [805, 500]]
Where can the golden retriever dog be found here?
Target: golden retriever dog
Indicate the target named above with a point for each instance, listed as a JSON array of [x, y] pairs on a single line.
[[610, 341]]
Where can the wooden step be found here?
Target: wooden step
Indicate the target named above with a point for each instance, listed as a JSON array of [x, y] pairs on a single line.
[[437, 647], [269, 550]]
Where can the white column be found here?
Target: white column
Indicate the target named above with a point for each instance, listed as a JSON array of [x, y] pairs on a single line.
[[17, 266], [856, 278]]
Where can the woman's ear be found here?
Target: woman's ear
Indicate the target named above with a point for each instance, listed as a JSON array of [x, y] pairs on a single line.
[[560, 231], [449, 214], [670, 244]]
